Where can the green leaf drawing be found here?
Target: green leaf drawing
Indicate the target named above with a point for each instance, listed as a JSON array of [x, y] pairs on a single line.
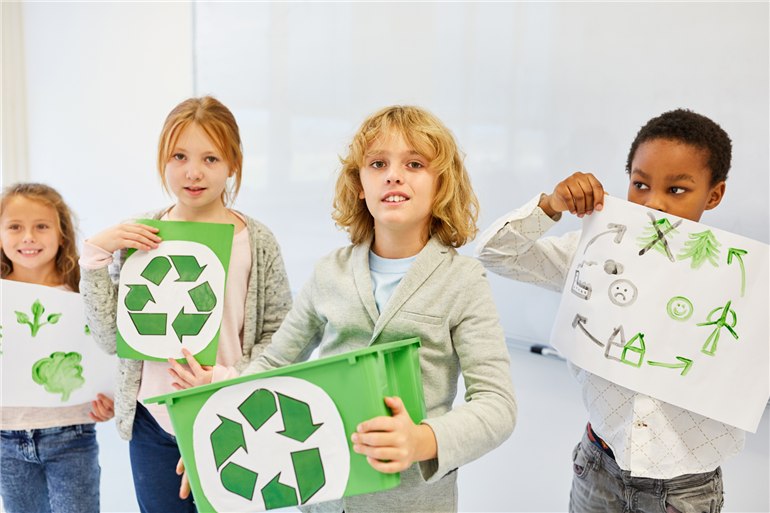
[[701, 247], [37, 312], [86, 329], [60, 373]]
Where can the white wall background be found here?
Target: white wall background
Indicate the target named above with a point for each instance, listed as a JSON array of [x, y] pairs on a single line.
[[532, 91]]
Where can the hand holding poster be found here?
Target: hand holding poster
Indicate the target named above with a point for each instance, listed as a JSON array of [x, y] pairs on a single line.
[[173, 297], [47, 355], [670, 308]]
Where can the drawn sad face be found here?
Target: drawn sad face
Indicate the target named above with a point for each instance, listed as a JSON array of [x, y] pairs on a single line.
[[622, 292]]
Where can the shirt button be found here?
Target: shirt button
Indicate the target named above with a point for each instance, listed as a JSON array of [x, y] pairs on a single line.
[[639, 424]]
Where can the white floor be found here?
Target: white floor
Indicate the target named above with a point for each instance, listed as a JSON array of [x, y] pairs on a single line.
[[531, 472]]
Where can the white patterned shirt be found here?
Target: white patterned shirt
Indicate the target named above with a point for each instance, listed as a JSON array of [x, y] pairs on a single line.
[[650, 438]]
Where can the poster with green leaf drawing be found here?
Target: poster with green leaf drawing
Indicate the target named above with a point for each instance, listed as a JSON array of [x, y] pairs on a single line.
[[47, 357], [670, 308], [172, 297]]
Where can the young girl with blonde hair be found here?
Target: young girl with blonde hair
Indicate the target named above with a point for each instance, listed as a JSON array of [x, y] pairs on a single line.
[[405, 198], [49, 455], [200, 163]]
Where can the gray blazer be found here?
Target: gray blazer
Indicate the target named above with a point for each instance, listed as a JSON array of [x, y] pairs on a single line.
[[445, 300], [268, 298]]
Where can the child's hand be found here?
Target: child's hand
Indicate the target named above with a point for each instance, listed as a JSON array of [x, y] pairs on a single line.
[[392, 444], [127, 235], [102, 409], [184, 487], [196, 376], [581, 194]]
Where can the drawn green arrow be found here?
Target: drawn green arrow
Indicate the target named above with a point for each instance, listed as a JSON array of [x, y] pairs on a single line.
[[309, 470], [278, 495], [203, 297], [226, 439], [297, 420], [738, 254], [685, 364], [149, 323], [188, 324], [239, 480], [138, 296], [187, 267], [258, 408], [156, 270]]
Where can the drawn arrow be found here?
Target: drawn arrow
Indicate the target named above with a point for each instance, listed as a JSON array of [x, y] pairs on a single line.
[[685, 365], [226, 439], [278, 495], [188, 324], [203, 297], [581, 321], [187, 267], [258, 408], [156, 270], [239, 480], [309, 470], [738, 254], [138, 296], [149, 323], [297, 420], [618, 229]]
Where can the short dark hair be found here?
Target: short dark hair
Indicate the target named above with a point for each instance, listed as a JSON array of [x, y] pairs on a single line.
[[690, 128]]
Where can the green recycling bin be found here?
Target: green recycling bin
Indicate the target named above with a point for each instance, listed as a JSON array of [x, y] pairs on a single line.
[[282, 438]]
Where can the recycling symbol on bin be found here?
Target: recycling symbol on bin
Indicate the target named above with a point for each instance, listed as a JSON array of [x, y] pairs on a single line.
[[184, 323], [268, 445]]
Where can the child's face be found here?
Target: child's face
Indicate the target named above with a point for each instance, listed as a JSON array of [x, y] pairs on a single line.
[[399, 186], [196, 172], [29, 234], [673, 177]]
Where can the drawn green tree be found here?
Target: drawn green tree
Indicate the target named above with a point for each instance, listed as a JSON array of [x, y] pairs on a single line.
[[37, 313], [651, 234], [702, 246], [60, 373]]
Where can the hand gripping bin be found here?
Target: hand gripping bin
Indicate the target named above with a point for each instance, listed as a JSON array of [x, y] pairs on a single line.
[[282, 437]]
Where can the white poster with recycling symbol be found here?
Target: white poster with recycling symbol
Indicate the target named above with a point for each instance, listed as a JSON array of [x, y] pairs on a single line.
[[670, 308], [270, 443], [172, 297]]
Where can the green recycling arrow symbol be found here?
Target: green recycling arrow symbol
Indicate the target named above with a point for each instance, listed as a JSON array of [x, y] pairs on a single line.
[[188, 324], [187, 267], [278, 495], [239, 480], [149, 323], [258, 408], [297, 421], [156, 270], [309, 470], [226, 439], [138, 296], [203, 297]]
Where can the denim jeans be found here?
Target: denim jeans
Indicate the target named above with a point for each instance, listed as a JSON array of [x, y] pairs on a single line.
[[599, 485], [154, 456], [50, 470]]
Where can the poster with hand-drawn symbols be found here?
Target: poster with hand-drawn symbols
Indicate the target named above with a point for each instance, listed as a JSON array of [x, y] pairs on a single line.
[[47, 354], [670, 308], [172, 297]]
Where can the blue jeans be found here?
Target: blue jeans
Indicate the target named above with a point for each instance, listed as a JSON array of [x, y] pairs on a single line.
[[154, 455], [50, 470], [599, 485]]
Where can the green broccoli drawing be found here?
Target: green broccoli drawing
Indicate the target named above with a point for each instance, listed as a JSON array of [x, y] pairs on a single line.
[[60, 373], [37, 313], [702, 246]]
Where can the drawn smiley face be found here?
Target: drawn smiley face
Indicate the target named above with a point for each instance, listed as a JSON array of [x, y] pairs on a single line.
[[622, 292], [679, 308]]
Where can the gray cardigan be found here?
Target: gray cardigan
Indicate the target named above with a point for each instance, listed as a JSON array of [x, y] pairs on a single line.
[[268, 299], [445, 300]]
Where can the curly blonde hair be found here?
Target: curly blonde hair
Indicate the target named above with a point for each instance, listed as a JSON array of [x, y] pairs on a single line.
[[219, 124], [67, 266], [455, 207]]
